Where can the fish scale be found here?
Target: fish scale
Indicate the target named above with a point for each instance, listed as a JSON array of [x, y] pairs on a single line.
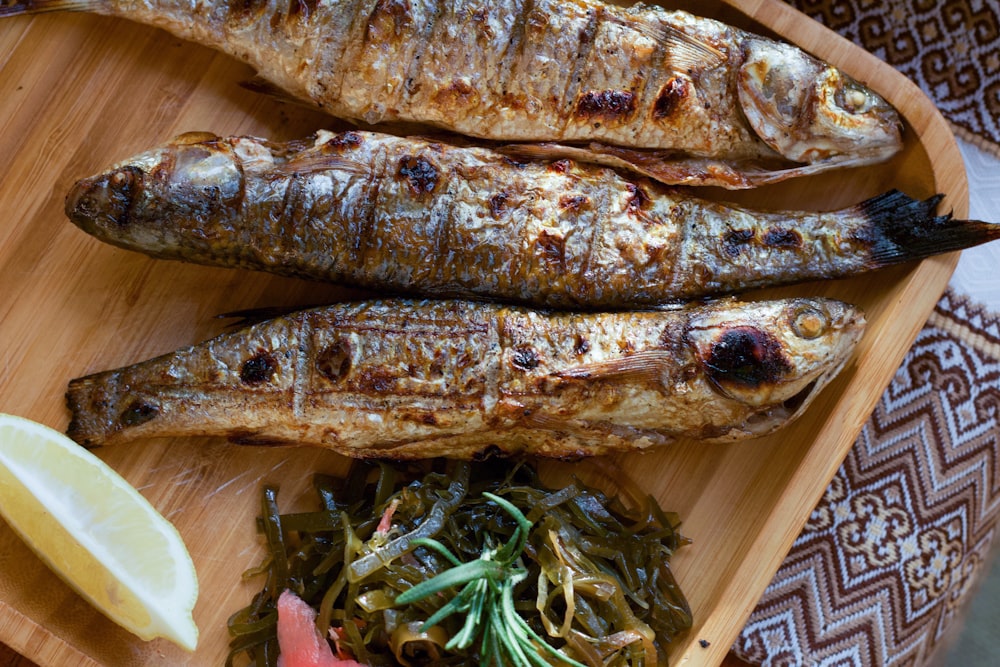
[[426, 217], [679, 98], [419, 379]]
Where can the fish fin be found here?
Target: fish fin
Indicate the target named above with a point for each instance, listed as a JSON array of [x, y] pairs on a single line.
[[252, 439], [312, 162], [588, 429], [262, 86], [673, 169], [904, 228], [250, 316], [18, 7], [658, 165], [648, 364], [686, 52]]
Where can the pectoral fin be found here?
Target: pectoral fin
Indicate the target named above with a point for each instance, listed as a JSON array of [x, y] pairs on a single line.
[[648, 365], [685, 52]]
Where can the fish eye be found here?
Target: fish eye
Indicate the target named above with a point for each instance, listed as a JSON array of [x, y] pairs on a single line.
[[809, 322], [851, 98]]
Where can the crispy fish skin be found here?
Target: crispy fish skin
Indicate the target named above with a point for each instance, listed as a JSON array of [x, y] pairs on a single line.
[[429, 218], [714, 104], [414, 379]]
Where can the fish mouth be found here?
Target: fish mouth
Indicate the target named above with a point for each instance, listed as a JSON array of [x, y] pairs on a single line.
[[774, 417], [105, 202]]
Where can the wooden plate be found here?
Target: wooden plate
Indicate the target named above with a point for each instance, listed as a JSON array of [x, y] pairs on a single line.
[[81, 91]]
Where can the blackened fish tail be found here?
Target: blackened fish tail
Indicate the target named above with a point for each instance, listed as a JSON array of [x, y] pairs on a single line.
[[18, 7], [903, 229]]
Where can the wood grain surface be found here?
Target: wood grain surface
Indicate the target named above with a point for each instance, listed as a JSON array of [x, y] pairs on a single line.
[[80, 92]]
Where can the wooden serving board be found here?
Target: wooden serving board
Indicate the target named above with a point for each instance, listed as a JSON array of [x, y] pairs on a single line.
[[78, 92]]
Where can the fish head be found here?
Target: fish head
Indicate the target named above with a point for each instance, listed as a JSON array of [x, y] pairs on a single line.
[[809, 111], [775, 356], [152, 201]]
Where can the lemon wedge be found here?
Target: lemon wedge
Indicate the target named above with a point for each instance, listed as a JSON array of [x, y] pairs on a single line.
[[97, 532]]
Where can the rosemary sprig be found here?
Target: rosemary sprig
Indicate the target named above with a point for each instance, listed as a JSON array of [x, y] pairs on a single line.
[[486, 598]]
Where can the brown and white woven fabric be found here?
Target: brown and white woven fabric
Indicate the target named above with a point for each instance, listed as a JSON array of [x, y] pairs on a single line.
[[887, 560], [947, 47], [890, 553]]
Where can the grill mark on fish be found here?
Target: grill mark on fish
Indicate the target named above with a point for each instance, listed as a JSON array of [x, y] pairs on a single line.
[[366, 60], [422, 42], [421, 174], [736, 239], [343, 141], [259, 368], [246, 10], [584, 52], [512, 52], [334, 361], [553, 248], [338, 209], [779, 237], [574, 203], [366, 219], [606, 105], [137, 413], [350, 52], [525, 359], [498, 204], [443, 237], [557, 384], [669, 98], [388, 16], [638, 200], [288, 222], [746, 356], [299, 364]]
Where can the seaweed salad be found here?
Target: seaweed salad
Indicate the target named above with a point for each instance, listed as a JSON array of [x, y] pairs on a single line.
[[458, 563]]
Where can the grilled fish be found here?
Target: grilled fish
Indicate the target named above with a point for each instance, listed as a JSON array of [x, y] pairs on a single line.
[[414, 379], [422, 217], [683, 99]]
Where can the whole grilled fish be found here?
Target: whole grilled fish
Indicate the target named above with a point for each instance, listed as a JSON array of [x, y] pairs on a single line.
[[683, 99], [428, 218], [409, 379]]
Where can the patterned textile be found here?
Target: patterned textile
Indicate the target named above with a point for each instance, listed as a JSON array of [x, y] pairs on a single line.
[[947, 47], [886, 561], [887, 557]]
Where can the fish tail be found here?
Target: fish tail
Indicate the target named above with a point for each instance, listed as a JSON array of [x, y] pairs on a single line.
[[18, 7], [903, 229]]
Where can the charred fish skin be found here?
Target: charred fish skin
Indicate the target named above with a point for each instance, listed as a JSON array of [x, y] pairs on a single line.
[[681, 98], [429, 218], [416, 379]]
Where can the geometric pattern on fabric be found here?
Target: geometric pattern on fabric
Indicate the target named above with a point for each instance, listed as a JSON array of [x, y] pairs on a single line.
[[947, 47], [890, 553]]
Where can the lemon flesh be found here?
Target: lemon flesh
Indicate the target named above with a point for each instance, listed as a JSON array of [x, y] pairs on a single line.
[[97, 532]]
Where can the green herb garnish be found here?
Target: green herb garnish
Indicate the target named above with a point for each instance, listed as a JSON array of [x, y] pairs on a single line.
[[482, 565], [487, 600]]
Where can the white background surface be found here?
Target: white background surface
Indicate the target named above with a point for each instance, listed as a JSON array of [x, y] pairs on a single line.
[[978, 272]]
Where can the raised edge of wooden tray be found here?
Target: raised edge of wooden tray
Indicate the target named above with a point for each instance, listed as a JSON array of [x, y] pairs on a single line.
[[80, 92]]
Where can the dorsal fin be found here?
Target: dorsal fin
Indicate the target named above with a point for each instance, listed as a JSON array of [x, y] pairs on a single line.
[[18, 7], [262, 86]]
